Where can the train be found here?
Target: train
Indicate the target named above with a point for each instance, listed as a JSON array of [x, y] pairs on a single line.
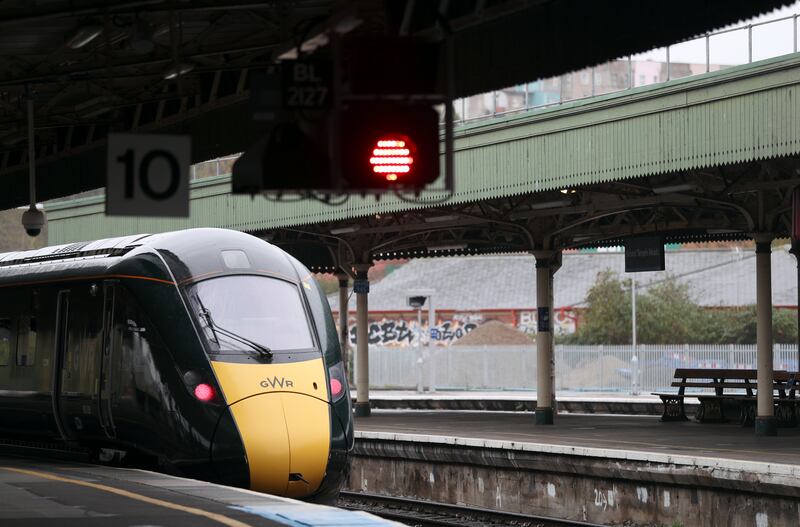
[[209, 353]]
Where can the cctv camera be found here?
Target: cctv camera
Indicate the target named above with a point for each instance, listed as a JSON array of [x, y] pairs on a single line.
[[416, 301], [33, 221]]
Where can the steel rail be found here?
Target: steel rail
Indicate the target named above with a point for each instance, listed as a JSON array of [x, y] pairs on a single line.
[[427, 513]]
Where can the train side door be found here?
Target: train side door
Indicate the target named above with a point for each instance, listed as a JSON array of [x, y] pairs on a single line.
[[106, 375], [79, 346], [62, 322]]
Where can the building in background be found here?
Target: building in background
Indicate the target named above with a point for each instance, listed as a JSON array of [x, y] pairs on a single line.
[[472, 290]]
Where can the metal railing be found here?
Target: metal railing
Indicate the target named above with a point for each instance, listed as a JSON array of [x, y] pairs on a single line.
[[578, 368], [219, 166], [634, 71]]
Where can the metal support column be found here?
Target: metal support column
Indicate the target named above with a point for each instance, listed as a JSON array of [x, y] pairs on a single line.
[[344, 330], [545, 359], [361, 288], [430, 360], [796, 252], [766, 424]]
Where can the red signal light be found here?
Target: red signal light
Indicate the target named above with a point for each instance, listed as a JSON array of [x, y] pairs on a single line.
[[204, 392], [392, 156], [388, 145]]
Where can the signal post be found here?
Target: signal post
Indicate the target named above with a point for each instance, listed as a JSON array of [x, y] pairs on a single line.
[[358, 118]]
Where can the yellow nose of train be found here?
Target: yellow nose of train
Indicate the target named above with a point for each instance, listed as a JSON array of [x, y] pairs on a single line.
[[282, 414]]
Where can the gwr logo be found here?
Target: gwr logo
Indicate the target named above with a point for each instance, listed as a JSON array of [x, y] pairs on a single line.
[[276, 382]]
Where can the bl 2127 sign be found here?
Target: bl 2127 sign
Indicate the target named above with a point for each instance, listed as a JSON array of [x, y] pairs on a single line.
[[148, 175], [306, 84]]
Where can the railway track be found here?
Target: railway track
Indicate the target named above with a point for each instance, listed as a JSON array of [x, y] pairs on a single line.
[[420, 513]]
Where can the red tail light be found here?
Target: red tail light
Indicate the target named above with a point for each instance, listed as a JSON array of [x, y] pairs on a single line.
[[338, 381], [336, 388], [204, 392]]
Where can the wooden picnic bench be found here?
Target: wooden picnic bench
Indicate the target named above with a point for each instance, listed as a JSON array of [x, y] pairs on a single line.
[[733, 389]]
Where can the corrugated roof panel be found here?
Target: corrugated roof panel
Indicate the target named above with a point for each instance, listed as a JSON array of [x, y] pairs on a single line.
[[732, 116]]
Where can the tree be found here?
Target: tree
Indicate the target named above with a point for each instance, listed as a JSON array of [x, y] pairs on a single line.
[[667, 314], [607, 319]]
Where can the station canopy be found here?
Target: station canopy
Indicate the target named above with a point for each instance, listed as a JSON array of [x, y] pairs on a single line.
[[181, 66]]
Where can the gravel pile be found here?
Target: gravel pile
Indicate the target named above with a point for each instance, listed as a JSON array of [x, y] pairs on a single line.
[[494, 333]]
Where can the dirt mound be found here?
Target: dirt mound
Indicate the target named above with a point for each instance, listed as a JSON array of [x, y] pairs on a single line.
[[493, 333]]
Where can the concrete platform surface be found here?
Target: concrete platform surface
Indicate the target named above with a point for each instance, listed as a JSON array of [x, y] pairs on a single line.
[[612, 436], [46, 493], [521, 395], [522, 401]]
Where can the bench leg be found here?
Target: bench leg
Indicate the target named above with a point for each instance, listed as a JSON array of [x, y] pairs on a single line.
[[786, 414], [711, 411], [673, 409], [747, 413]]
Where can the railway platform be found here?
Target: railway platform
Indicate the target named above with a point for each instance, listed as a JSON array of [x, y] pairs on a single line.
[[578, 402], [55, 493], [598, 468]]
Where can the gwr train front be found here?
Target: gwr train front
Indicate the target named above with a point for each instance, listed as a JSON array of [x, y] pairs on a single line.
[[273, 348]]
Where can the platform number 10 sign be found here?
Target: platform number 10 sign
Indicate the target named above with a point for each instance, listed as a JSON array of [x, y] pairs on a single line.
[[148, 175]]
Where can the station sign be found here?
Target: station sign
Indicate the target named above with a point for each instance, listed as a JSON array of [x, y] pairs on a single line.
[[148, 175], [361, 286], [543, 319], [644, 253]]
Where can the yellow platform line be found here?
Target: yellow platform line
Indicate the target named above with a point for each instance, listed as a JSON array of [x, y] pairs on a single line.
[[230, 522]]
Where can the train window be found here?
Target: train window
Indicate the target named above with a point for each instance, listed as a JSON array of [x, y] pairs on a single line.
[[26, 341], [264, 310], [5, 341], [321, 311]]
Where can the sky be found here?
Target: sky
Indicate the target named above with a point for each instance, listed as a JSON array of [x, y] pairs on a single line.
[[769, 40]]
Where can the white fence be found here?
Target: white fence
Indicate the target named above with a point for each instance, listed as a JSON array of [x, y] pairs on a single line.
[[578, 368]]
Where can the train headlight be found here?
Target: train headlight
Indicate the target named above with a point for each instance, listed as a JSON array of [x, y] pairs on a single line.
[[337, 382]]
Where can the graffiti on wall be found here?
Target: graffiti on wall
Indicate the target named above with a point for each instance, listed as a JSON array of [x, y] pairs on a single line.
[[399, 331], [389, 332]]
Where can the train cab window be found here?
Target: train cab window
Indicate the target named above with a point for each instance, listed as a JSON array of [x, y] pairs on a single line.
[[266, 311], [26, 341], [5, 341]]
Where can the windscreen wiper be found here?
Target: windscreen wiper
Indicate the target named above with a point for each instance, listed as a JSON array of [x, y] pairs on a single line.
[[215, 328]]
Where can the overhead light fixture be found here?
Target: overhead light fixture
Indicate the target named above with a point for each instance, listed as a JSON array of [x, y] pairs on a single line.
[[568, 191], [345, 230], [183, 68], [39, 206], [308, 45], [447, 247], [83, 35], [551, 204], [440, 219], [96, 106], [319, 38], [682, 187]]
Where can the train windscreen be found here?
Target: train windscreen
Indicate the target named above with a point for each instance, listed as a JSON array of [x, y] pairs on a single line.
[[248, 314]]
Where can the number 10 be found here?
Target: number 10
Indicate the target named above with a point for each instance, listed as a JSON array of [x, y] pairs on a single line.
[[128, 159]]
